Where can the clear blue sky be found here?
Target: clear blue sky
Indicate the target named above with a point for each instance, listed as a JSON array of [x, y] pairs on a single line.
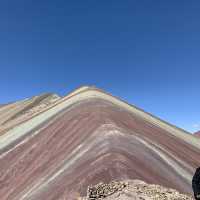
[[146, 52]]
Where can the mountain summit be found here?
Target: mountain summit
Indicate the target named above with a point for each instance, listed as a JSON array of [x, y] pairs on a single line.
[[55, 147]]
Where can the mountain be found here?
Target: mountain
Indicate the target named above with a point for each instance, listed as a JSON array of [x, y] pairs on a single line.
[[89, 136], [197, 133]]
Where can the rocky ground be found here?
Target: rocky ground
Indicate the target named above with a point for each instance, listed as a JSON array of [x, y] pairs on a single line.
[[133, 190]]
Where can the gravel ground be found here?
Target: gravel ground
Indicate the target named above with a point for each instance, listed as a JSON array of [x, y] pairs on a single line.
[[133, 190]]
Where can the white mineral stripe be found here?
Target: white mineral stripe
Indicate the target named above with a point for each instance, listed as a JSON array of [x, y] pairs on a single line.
[[90, 143]]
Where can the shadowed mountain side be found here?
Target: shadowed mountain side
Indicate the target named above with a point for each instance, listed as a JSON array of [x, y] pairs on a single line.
[[89, 141], [15, 113]]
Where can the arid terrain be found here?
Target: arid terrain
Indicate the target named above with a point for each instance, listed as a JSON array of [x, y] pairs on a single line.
[[133, 190], [53, 148]]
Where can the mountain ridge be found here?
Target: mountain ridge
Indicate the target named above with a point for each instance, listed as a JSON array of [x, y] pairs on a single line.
[[99, 93]]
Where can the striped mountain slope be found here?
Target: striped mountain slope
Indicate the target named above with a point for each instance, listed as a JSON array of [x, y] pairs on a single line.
[[87, 137]]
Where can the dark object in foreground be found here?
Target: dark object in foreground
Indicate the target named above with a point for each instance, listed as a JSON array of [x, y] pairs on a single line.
[[196, 184], [103, 190]]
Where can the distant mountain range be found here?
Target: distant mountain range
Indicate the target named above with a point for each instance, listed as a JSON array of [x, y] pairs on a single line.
[[54, 147], [197, 133]]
